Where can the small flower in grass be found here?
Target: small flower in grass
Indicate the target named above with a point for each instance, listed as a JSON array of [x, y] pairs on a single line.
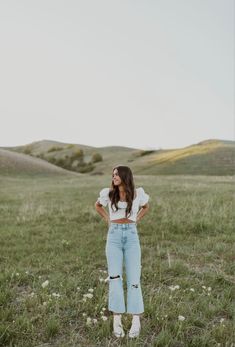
[[78, 288], [88, 321], [44, 303], [88, 295], [95, 320], [174, 287], [181, 318], [209, 289], [91, 290], [27, 272], [192, 289], [104, 318], [204, 287], [222, 320], [103, 309], [17, 274], [65, 242], [57, 295], [45, 284], [84, 314]]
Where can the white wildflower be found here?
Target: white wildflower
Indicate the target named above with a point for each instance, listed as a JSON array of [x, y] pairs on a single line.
[[78, 288], [104, 318], [103, 309], [91, 290], [204, 287], [56, 295], [84, 314], [192, 289], [88, 321], [222, 320], [88, 295], [174, 287], [95, 320], [17, 274], [45, 284], [65, 242], [181, 318], [209, 289]]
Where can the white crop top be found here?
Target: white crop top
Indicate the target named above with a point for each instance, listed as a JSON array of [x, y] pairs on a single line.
[[141, 199]]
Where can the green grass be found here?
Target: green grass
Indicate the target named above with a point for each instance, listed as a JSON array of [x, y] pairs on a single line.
[[50, 230]]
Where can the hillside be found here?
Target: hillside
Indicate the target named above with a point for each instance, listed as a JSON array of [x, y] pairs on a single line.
[[18, 163], [209, 157]]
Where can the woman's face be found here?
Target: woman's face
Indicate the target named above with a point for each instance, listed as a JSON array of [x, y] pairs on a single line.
[[116, 179]]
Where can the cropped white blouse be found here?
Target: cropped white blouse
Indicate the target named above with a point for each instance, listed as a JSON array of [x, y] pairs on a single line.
[[141, 199]]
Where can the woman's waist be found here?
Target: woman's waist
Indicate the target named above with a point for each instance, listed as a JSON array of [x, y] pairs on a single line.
[[122, 220]]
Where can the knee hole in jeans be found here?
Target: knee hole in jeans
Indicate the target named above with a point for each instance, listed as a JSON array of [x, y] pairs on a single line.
[[114, 277], [135, 286]]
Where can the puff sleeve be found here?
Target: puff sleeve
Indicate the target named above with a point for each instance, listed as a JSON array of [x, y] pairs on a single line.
[[103, 198], [144, 197]]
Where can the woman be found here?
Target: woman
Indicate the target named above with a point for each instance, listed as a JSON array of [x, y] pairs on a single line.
[[122, 242]]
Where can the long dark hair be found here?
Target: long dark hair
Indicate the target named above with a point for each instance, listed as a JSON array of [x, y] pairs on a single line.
[[126, 176]]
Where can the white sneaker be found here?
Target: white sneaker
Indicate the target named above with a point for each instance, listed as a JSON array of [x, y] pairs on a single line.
[[118, 330], [117, 326], [135, 329]]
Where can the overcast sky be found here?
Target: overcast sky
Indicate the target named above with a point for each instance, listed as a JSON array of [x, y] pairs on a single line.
[[143, 74]]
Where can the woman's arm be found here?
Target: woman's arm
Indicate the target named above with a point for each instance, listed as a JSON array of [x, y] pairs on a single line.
[[99, 208], [142, 212]]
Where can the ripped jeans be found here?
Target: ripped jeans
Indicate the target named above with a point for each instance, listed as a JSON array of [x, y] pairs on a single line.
[[123, 243]]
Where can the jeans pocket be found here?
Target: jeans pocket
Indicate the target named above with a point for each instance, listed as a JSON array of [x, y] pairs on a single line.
[[112, 228], [134, 230]]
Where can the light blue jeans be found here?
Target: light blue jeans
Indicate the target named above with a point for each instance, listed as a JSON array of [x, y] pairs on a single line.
[[123, 243]]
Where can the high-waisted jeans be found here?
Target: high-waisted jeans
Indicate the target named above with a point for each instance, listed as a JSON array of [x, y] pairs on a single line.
[[123, 243]]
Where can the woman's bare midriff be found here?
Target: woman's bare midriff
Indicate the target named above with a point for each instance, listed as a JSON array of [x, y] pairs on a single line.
[[122, 220]]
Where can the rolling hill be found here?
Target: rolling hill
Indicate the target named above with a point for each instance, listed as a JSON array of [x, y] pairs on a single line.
[[19, 163], [209, 157]]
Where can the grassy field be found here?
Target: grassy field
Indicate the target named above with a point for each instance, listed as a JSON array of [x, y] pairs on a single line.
[[53, 254]]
